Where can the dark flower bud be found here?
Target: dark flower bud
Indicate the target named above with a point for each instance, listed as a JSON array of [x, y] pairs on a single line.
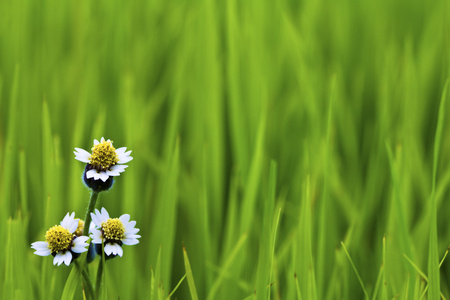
[[97, 185]]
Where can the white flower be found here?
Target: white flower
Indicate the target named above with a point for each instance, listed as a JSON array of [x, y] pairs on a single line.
[[105, 160], [113, 232], [61, 242]]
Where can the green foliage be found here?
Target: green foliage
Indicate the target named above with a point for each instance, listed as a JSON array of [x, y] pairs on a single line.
[[265, 135], [190, 277]]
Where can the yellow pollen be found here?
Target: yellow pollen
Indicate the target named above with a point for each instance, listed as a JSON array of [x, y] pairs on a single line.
[[79, 231], [113, 229], [103, 156], [58, 238]]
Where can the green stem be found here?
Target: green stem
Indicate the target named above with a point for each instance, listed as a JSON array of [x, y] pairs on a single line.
[[89, 287], [87, 218], [87, 282], [98, 282]]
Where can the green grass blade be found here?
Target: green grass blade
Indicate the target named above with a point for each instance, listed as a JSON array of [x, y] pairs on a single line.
[[356, 271], [265, 259], [72, 284], [176, 287], [23, 183], [226, 266], [190, 276], [422, 274], [17, 275], [384, 285], [433, 256], [10, 150], [254, 176], [443, 258], [274, 239], [378, 282], [297, 286]]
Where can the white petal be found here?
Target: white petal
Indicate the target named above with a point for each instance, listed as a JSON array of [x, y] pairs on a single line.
[[96, 236], [118, 168], [124, 218], [95, 220], [91, 173], [70, 223], [43, 252], [96, 176], [132, 231], [39, 245], [73, 227], [103, 139], [57, 259], [79, 244], [96, 142], [121, 150], [130, 241], [67, 258], [41, 248], [119, 250], [132, 236], [92, 226], [82, 159], [62, 258], [130, 225], [100, 217], [105, 215], [103, 176], [112, 173], [114, 249], [124, 158], [80, 248], [82, 155], [67, 220], [81, 239], [109, 249]]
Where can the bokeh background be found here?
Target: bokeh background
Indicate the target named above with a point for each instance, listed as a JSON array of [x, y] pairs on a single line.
[[264, 133]]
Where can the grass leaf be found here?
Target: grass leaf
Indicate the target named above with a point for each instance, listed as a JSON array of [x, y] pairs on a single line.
[[189, 275]]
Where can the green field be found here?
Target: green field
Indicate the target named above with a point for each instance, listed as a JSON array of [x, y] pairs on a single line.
[[297, 149]]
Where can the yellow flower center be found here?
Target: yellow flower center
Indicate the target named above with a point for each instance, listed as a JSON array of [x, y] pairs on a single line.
[[79, 231], [113, 229], [58, 238], [103, 156]]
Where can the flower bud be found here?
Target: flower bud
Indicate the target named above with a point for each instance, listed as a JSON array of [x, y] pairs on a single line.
[[97, 185]]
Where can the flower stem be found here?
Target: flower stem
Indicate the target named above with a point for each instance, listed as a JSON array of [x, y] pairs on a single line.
[[98, 281], [87, 218]]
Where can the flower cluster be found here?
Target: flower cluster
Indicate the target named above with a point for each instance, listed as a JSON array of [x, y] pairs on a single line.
[[112, 232], [66, 242], [62, 241]]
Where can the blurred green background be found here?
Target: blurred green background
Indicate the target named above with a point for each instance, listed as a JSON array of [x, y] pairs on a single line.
[[264, 133]]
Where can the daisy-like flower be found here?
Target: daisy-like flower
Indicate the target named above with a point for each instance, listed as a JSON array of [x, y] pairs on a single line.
[[104, 163], [105, 159], [112, 233], [62, 242]]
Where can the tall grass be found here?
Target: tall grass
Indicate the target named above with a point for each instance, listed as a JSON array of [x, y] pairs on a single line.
[[298, 149]]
